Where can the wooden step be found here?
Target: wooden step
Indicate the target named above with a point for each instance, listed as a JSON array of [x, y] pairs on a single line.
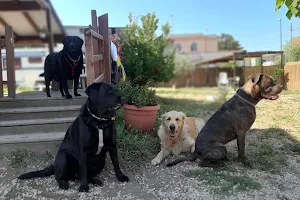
[[12, 114], [35, 125]]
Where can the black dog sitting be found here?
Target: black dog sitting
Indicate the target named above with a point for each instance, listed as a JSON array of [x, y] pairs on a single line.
[[83, 150], [65, 65]]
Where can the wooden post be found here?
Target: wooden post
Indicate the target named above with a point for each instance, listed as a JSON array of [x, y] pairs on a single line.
[[103, 30], [90, 71], [10, 61], [54, 84], [1, 77]]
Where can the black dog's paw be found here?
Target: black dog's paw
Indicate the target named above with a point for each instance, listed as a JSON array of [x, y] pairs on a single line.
[[63, 185], [84, 188], [69, 96], [122, 178], [77, 95], [48, 95], [96, 182]]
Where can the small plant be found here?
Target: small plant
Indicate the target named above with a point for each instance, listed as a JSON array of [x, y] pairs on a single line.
[[277, 73], [19, 158], [137, 95]]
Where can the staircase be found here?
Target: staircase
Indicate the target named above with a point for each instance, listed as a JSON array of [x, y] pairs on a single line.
[[34, 122]]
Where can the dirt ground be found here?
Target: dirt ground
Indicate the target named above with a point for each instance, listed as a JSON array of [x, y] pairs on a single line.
[[272, 146]]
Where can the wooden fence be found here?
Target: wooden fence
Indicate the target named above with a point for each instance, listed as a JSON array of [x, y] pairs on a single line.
[[97, 50], [208, 76], [8, 44]]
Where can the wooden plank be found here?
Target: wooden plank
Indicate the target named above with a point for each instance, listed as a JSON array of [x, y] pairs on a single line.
[[10, 61], [31, 22], [1, 77], [100, 78], [88, 31], [89, 53], [97, 57], [103, 30], [94, 20], [8, 6]]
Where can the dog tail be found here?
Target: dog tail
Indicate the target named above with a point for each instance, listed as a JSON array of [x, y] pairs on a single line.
[[42, 75], [48, 171], [192, 157]]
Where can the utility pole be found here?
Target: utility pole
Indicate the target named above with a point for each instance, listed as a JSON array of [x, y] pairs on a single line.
[[280, 35], [291, 32]]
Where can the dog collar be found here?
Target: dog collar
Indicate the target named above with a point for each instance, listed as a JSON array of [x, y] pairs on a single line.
[[98, 118], [74, 61], [245, 100]]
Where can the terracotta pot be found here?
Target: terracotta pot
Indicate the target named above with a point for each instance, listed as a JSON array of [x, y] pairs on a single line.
[[142, 119]]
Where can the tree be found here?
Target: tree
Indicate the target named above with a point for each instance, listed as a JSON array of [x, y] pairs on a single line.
[[227, 42], [292, 52], [147, 58], [292, 6], [182, 64]]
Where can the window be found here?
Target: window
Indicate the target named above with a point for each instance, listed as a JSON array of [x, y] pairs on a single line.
[[178, 47], [18, 64], [4, 63], [35, 60], [194, 47]]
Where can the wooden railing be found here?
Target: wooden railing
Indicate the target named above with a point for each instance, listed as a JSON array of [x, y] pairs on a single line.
[[8, 44], [97, 50]]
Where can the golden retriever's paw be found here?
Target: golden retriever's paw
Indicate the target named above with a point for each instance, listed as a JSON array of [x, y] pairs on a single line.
[[193, 149], [155, 161]]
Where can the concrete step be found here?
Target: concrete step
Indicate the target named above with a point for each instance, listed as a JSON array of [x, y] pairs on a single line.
[[40, 102], [38, 142], [13, 114], [35, 126]]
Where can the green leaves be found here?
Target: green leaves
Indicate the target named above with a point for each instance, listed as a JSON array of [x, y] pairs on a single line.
[[146, 59], [292, 5]]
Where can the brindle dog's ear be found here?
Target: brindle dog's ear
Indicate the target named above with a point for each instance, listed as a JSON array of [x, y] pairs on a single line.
[[255, 77], [65, 39], [93, 91]]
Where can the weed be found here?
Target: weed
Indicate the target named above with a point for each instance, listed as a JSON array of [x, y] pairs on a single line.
[[19, 158]]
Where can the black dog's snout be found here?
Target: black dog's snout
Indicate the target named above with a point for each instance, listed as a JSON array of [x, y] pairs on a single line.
[[172, 127]]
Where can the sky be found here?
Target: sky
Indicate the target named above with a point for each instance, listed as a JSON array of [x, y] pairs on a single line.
[[254, 23]]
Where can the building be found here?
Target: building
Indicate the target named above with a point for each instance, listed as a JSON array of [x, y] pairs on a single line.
[[195, 43]]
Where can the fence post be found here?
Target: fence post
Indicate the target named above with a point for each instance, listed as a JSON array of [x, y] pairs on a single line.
[[10, 61], [1, 77]]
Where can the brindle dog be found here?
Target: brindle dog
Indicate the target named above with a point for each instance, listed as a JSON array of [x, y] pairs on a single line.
[[232, 121]]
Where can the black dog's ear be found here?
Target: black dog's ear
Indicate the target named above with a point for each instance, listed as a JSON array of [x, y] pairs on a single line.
[[81, 41], [92, 91], [65, 39], [255, 78]]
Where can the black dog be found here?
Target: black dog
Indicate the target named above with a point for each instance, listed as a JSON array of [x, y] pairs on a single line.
[[65, 65], [93, 133]]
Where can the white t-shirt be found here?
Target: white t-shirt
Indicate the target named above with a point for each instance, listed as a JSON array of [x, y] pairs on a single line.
[[113, 51]]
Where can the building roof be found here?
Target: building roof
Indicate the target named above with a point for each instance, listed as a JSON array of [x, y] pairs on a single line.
[[236, 55], [28, 19]]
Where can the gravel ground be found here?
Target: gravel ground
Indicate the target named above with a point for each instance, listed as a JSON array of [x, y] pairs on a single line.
[[159, 182]]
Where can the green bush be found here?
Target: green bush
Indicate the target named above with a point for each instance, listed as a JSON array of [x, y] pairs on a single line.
[[147, 58], [137, 95]]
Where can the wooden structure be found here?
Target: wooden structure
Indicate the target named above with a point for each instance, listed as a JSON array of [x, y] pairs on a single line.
[[97, 50], [33, 22], [8, 44]]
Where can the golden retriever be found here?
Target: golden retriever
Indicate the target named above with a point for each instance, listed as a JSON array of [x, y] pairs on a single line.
[[177, 134]]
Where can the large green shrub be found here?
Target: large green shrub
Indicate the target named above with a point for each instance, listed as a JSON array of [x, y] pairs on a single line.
[[292, 52], [148, 58]]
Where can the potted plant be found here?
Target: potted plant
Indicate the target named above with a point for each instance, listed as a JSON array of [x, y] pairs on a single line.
[[141, 108]]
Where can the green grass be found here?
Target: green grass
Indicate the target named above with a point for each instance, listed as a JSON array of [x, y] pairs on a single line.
[[270, 148], [22, 158], [224, 180]]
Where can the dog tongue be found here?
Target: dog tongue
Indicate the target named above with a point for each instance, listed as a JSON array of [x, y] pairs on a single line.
[[113, 118]]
